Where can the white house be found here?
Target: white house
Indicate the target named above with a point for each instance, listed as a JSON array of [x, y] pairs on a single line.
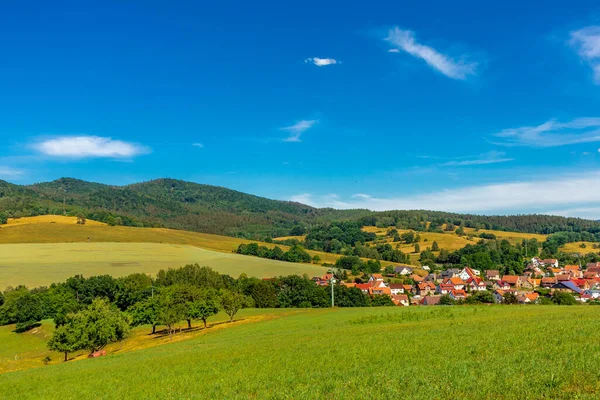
[[396, 288]]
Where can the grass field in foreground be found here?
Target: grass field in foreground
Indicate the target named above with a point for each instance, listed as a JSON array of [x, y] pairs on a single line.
[[42, 264], [499, 352], [28, 350]]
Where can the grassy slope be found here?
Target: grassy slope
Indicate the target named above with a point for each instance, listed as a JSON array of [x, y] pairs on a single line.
[[450, 240], [499, 352], [27, 350]]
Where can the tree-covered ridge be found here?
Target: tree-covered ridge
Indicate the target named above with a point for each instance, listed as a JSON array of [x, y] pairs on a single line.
[[212, 209]]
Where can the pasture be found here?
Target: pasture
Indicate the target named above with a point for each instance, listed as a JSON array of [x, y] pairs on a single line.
[[500, 352], [42, 264]]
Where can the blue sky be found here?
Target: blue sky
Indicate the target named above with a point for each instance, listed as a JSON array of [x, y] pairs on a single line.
[[452, 106]]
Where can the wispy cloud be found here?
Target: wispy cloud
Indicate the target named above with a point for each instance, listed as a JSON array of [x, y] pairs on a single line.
[[491, 157], [552, 133], [10, 173], [405, 40], [298, 129], [89, 146], [586, 42], [321, 62], [541, 195], [199, 145]]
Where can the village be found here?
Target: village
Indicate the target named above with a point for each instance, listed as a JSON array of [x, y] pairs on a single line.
[[407, 288]]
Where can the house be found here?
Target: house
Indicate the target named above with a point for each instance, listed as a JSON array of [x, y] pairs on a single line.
[[528, 298], [512, 280], [525, 282], [415, 301], [407, 288], [376, 278], [458, 295], [563, 278], [432, 278], [567, 286], [425, 288], [501, 285], [535, 282], [549, 262], [593, 293], [467, 273], [581, 283], [396, 288], [590, 275], [594, 267], [450, 273], [416, 278], [445, 288], [403, 270], [426, 268], [475, 284], [499, 295], [431, 300], [548, 282], [492, 275], [400, 300], [573, 270], [380, 290], [457, 283], [584, 298], [364, 287]]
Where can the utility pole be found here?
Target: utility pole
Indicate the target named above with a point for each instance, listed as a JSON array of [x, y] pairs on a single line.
[[331, 282]]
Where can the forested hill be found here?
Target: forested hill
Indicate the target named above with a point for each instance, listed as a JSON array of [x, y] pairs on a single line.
[[204, 208]]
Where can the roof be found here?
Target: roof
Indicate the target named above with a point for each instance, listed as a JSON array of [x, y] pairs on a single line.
[[396, 286], [397, 298], [532, 296], [492, 272], [550, 279], [377, 276], [510, 279], [459, 293], [431, 300], [550, 261], [568, 285], [457, 281], [572, 267], [363, 286]]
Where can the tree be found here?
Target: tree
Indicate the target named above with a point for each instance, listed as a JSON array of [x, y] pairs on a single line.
[[99, 324], [563, 299], [145, 313], [81, 219], [203, 309], [446, 300], [66, 339], [170, 312], [232, 302], [460, 231], [417, 248], [509, 298], [316, 259], [435, 246]]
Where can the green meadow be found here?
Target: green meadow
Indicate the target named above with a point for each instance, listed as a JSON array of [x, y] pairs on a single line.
[[493, 352], [41, 264]]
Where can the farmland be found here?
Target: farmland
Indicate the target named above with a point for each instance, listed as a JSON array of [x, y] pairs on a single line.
[[421, 353], [42, 264], [41, 250]]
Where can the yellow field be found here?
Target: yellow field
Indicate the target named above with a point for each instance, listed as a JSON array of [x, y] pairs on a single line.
[[50, 219], [298, 238], [575, 248], [65, 230]]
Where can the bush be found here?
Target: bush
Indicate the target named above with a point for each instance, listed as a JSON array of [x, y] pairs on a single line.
[[26, 326]]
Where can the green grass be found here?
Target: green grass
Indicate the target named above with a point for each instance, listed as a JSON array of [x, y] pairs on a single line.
[[42, 264], [498, 352]]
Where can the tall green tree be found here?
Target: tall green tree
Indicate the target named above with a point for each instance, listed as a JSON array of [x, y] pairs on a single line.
[[232, 302]]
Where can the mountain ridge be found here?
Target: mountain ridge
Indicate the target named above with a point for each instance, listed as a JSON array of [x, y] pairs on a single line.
[[178, 204]]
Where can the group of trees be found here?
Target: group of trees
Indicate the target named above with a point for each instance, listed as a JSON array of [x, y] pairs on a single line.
[[356, 265], [295, 254], [337, 237]]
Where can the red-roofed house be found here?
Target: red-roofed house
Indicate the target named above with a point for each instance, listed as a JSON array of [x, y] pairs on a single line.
[[396, 288], [476, 284], [400, 300], [458, 294], [512, 280]]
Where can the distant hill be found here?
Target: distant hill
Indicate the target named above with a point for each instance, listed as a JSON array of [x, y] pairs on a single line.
[[204, 208]]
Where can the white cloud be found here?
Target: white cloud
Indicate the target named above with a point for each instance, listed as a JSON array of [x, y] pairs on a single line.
[[321, 62], [552, 133], [393, 51], [405, 40], [578, 212], [586, 42], [298, 129], [491, 157], [10, 173], [89, 146], [199, 145], [567, 191]]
